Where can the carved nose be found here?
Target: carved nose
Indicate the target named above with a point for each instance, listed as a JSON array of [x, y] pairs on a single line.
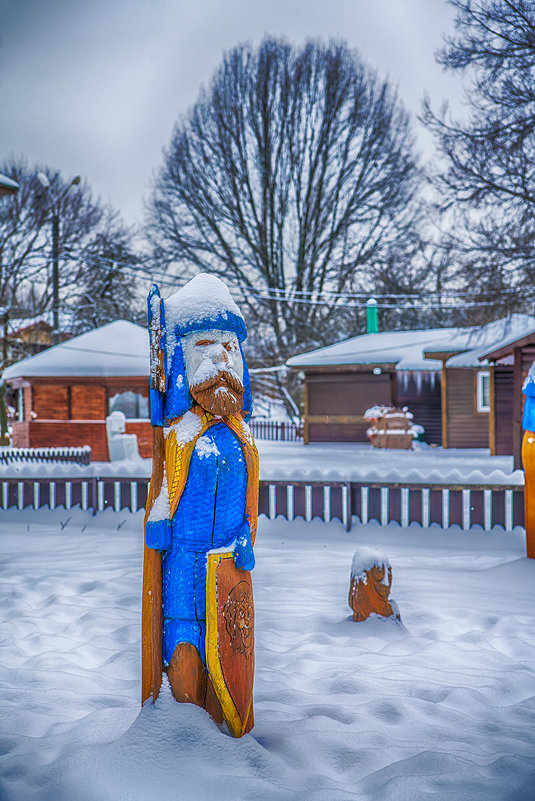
[[222, 356]]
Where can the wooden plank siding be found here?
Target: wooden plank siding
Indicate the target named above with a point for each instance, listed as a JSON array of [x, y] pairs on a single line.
[[67, 412], [526, 359], [347, 396], [421, 393], [62, 433], [71, 433], [335, 402], [51, 402], [143, 431], [503, 409], [510, 371], [88, 402], [467, 428]]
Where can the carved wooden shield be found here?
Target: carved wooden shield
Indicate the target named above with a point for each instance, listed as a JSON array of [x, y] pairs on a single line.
[[230, 639]]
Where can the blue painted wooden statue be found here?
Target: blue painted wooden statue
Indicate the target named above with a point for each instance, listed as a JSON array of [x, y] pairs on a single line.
[[201, 515]]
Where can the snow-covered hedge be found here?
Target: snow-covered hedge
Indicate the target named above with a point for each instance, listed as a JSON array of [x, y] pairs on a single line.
[[80, 455]]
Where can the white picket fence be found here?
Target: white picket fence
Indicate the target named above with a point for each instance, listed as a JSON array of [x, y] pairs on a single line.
[[444, 505]]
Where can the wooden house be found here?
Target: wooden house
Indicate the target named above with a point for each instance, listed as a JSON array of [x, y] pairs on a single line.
[[509, 361], [436, 373], [469, 416], [64, 394], [341, 381], [26, 338]]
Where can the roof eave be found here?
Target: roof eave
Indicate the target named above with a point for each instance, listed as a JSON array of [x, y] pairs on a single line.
[[350, 366], [505, 350]]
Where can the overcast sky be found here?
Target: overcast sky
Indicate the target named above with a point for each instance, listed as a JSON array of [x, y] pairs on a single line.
[[95, 87]]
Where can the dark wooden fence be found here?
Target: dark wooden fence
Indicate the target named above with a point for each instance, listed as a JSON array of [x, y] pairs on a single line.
[[269, 429], [424, 504], [79, 455]]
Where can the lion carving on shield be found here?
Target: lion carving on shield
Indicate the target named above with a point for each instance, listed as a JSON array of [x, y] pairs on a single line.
[[239, 615]]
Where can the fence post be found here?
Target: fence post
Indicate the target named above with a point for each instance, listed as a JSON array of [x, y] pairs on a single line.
[[94, 495], [349, 510]]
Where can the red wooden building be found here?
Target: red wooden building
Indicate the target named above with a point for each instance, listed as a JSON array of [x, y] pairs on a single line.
[[64, 394]]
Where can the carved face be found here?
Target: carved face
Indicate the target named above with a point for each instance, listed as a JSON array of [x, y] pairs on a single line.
[[214, 370], [381, 582]]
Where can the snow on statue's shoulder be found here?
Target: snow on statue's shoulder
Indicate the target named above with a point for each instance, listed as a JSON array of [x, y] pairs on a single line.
[[205, 297], [186, 429]]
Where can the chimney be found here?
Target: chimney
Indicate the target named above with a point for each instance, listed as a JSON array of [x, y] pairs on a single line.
[[372, 321]]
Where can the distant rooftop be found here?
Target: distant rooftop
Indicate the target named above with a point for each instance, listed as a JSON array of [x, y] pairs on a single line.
[[120, 348], [7, 185], [405, 349]]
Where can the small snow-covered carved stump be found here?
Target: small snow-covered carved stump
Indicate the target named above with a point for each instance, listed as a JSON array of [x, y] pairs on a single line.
[[370, 583]]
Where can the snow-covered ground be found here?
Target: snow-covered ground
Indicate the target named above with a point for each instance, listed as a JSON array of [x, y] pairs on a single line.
[[441, 707], [328, 462]]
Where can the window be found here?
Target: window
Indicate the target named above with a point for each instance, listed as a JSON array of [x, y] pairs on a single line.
[[483, 391], [132, 404]]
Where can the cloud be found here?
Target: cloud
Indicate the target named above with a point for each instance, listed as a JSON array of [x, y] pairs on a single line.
[[96, 87]]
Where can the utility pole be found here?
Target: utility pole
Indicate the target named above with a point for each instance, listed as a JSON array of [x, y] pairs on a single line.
[[5, 324], [55, 208], [55, 276], [7, 187]]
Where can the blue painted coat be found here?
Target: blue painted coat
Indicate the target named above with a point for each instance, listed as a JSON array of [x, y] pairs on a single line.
[[211, 514]]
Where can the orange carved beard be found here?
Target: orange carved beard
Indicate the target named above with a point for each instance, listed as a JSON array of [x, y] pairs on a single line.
[[221, 395]]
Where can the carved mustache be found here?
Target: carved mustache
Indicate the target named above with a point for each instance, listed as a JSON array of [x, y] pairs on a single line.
[[222, 378]]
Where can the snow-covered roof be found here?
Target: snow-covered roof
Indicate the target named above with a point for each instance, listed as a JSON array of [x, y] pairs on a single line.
[[402, 348], [7, 185], [120, 348], [406, 349], [492, 337]]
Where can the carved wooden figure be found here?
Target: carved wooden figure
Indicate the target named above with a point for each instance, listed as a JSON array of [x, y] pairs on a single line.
[[370, 583], [200, 524]]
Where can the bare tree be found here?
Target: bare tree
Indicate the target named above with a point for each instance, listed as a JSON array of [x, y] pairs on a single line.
[[289, 176], [489, 175], [104, 288], [88, 231]]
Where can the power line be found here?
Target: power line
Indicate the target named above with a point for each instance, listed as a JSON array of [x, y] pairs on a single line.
[[444, 301], [149, 274]]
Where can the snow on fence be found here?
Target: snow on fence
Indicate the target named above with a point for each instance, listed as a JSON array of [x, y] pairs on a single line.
[[270, 429], [79, 455], [444, 505]]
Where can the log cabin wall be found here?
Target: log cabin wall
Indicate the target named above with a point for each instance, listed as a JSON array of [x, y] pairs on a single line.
[[467, 428], [421, 393], [337, 400]]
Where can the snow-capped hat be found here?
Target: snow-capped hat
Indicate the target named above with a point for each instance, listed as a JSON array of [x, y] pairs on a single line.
[[203, 303]]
